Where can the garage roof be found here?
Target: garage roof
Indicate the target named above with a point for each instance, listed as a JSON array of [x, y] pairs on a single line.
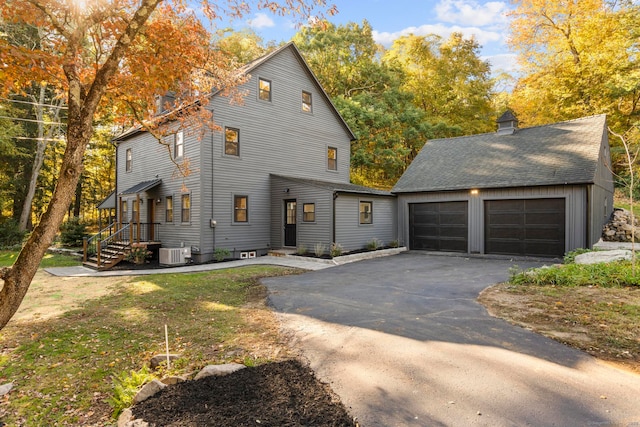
[[556, 154]]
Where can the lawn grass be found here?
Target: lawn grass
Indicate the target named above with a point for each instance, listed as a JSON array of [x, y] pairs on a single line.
[[63, 368], [7, 258]]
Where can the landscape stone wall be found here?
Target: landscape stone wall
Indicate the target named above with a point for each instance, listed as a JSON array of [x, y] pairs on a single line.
[[621, 227]]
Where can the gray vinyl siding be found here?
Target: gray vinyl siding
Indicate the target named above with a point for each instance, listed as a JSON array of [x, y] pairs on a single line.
[[308, 233], [275, 137], [601, 197], [351, 234], [576, 197], [150, 158]]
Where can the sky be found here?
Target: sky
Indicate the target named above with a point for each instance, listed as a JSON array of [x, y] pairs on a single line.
[[390, 19]]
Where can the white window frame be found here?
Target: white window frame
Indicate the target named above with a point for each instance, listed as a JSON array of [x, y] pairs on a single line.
[[178, 145]]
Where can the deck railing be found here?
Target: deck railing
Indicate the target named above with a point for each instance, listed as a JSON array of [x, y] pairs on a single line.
[[124, 234]]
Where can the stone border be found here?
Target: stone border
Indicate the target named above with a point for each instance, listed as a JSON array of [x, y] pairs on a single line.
[[345, 259]]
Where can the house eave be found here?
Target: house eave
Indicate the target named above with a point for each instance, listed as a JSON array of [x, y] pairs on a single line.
[[497, 186]]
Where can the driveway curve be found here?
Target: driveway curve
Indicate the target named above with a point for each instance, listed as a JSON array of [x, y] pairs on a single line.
[[403, 342]]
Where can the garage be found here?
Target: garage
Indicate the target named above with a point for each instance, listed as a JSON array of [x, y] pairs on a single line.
[[439, 226], [529, 227]]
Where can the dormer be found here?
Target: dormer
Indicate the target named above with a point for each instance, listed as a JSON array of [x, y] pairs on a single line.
[[507, 123]]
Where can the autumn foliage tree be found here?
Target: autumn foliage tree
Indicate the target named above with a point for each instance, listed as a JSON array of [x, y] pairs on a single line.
[[577, 58], [114, 55]]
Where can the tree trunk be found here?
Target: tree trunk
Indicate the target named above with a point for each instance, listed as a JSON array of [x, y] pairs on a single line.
[[78, 199], [18, 277], [83, 102], [41, 146]]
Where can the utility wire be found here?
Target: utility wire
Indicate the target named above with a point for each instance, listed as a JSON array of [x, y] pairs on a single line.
[[33, 121], [34, 103], [39, 139]]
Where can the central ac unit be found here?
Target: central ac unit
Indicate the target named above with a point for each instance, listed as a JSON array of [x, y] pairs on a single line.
[[174, 256]]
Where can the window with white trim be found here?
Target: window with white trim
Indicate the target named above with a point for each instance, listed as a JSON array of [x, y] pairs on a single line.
[[178, 145]]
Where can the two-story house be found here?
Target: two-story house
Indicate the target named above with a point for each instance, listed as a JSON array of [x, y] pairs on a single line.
[[275, 176]]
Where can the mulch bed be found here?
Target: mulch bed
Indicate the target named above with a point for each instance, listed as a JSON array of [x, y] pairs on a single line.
[[275, 395]]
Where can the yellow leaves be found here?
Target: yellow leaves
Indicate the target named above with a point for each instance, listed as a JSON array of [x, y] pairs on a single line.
[[576, 59]]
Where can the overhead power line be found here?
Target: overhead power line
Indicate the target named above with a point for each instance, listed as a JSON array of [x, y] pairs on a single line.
[[33, 121], [39, 139], [34, 103]]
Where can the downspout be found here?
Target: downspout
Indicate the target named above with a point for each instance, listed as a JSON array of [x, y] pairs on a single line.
[[115, 194], [589, 191], [333, 212], [212, 218]]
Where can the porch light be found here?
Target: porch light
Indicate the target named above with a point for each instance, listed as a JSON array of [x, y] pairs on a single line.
[[474, 192]]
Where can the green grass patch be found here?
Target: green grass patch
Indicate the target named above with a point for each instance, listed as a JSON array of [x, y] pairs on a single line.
[[71, 367], [615, 274], [7, 258]]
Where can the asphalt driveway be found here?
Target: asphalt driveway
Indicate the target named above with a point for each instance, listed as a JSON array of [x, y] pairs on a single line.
[[403, 341]]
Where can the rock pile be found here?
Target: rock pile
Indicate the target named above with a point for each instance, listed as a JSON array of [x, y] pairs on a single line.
[[620, 227]]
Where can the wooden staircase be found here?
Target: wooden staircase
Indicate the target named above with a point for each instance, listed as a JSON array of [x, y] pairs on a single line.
[[113, 243], [110, 255]]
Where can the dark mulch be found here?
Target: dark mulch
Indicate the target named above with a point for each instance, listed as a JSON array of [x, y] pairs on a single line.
[[275, 394]]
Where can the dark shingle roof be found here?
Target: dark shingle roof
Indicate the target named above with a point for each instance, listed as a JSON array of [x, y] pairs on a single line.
[[336, 186], [141, 187], [560, 153]]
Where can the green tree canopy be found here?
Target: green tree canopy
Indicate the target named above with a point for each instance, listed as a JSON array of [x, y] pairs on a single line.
[[448, 79]]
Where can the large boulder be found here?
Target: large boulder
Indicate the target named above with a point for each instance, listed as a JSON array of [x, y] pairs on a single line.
[[219, 370], [148, 390], [603, 256]]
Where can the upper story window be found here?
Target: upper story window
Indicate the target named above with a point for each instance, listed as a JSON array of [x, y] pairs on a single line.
[[186, 208], [306, 101], [231, 141], [332, 159], [169, 209], [240, 209], [129, 159], [264, 90], [366, 212], [309, 212], [178, 145]]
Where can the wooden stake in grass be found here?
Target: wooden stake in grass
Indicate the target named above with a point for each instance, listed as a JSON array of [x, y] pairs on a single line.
[[166, 341]]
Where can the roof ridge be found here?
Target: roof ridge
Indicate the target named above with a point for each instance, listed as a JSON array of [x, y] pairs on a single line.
[[565, 121], [475, 135]]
